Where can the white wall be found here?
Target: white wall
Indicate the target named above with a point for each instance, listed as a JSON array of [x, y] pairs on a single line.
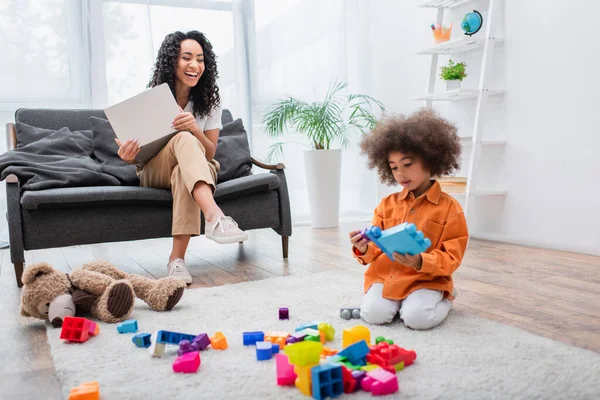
[[549, 116]]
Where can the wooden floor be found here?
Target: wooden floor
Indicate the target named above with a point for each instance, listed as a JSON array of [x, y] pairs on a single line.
[[550, 293]]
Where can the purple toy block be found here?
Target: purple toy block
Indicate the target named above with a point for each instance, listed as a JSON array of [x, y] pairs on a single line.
[[185, 346], [284, 313], [358, 375], [293, 339], [202, 341]]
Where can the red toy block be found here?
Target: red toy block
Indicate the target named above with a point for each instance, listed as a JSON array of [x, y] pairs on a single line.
[[85, 391], [348, 379], [408, 356], [75, 329]]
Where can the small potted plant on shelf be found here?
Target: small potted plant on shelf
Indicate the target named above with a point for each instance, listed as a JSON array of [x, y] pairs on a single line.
[[453, 74], [324, 123]]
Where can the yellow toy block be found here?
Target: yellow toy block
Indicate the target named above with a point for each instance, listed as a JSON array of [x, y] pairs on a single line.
[[328, 330], [85, 391], [356, 334], [369, 367], [304, 353], [303, 378]]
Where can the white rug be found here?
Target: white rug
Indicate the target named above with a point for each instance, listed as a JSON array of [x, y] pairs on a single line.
[[466, 357]]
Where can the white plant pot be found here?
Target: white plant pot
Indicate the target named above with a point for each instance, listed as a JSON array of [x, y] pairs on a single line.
[[323, 178], [453, 84]]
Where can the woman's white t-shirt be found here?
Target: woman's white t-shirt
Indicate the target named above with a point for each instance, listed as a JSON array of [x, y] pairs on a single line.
[[211, 121]]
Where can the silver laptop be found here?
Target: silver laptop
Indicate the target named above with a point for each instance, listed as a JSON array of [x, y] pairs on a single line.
[[147, 116]]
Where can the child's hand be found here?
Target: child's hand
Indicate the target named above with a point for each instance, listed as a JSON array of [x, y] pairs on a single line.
[[358, 241], [410, 261]]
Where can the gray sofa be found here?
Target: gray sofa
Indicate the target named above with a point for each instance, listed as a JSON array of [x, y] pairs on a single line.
[[41, 219]]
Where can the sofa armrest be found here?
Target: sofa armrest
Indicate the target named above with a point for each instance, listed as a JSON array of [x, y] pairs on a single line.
[[11, 136], [263, 165]]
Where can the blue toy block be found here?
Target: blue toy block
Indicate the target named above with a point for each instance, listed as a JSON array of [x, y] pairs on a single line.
[[129, 326], [168, 337], [250, 338], [356, 353], [312, 325], [264, 351], [326, 381], [142, 340], [275, 348], [403, 239]]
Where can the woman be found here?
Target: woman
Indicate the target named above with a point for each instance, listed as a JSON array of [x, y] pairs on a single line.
[[186, 62]]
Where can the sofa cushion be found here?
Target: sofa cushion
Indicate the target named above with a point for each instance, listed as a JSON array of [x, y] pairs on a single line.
[[233, 151], [110, 195], [27, 134], [75, 120]]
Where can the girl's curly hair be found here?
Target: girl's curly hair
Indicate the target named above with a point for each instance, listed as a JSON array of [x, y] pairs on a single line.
[[423, 134], [205, 94]]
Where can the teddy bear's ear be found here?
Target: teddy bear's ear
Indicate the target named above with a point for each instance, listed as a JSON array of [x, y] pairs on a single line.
[[35, 271]]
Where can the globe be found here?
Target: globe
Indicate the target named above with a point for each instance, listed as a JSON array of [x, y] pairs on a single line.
[[471, 22]]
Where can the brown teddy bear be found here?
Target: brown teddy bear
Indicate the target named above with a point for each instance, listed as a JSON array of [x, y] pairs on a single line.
[[97, 287]]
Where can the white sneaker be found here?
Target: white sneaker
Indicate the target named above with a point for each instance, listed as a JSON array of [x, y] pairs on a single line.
[[178, 269], [224, 230]]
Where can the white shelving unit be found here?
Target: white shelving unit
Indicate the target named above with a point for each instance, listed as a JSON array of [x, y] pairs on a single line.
[[474, 141]]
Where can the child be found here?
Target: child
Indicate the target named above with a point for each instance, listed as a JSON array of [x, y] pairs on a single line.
[[411, 151]]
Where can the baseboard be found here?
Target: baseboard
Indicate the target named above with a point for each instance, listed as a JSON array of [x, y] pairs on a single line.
[[532, 243]]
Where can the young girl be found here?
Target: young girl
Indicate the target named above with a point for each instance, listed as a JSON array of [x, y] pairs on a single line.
[[410, 151], [186, 62]]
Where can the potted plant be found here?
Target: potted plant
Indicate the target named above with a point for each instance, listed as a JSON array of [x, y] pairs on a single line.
[[325, 124], [453, 74]]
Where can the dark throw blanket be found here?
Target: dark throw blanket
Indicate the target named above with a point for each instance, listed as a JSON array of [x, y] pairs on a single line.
[[58, 161]]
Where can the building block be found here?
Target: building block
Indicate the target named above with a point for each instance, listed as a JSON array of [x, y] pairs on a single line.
[[305, 332], [309, 325], [369, 367], [275, 348], [156, 349], [380, 382], [328, 329], [304, 353], [202, 341], [277, 337], [129, 326], [384, 355], [168, 337], [303, 378], [356, 334], [403, 239], [187, 363], [380, 339], [250, 338], [358, 375], [327, 351], [292, 339], [93, 328], [85, 391], [348, 313], [348, 380], [356, 353], [285, 371], [218, 341], [407, 356], [264, 351], [314, 338], [142, 340], [284, 313], [75, 329], [327, 381]]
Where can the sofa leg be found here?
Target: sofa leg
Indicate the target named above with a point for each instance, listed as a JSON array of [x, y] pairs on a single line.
[[19, 273], [285, 240]]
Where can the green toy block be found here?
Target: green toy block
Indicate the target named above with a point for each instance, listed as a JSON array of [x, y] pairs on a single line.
[[380, 339], [399, 366], [313, 338]]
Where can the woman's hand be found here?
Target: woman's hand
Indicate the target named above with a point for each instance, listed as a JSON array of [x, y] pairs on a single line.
[[359, 241], [185, 121], [128, 150], [415, 261]]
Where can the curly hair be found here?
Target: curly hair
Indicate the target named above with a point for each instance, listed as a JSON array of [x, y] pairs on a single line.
[[205, 94], [423, 134]]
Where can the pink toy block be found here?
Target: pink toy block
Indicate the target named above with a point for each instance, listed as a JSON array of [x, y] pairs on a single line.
[[285, 371], [187, 363], [93, 328], [380, 382]]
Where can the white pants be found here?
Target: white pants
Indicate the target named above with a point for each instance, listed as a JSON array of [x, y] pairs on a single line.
[[422, 309]]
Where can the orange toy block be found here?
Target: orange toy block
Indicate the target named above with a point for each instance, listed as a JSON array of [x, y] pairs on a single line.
[[304, 379], [277, 338], [85, 391], [356, 334], [218, 341], [327, 351]]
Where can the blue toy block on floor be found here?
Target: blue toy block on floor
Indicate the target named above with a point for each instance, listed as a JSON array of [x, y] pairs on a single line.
[[356, 353], [172, 337], [326, 381], [142, 340], [129, 326], [264, 351], [403, 239], [250, 338], [311, 325]]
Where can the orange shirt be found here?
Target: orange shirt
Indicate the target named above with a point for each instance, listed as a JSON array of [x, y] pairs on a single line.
[[441, 219]]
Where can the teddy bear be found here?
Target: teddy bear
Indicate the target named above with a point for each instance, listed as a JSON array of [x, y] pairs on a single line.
[[97, 287]]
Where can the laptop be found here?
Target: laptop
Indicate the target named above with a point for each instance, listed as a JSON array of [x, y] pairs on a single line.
[[147, 116]]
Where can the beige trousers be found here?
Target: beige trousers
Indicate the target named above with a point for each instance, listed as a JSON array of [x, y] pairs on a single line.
[[179, 166]]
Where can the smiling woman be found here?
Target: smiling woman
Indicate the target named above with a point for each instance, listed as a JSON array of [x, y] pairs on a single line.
[[187, 63]]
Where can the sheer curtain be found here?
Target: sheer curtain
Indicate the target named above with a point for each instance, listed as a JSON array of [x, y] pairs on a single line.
[[300, 47]]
